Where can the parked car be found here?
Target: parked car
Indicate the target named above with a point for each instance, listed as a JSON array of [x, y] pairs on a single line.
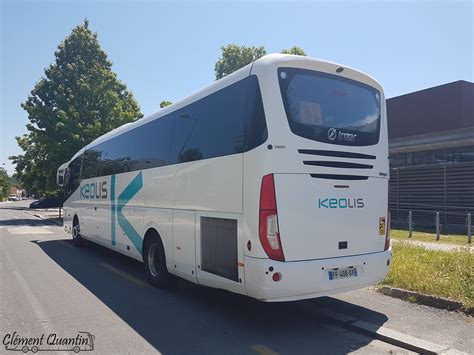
[[46, 202], [12, 197]]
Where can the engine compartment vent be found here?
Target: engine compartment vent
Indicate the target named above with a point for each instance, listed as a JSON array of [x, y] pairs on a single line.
[[219, 247]]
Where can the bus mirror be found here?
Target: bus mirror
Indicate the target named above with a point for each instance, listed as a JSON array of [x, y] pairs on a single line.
[[60, 178]]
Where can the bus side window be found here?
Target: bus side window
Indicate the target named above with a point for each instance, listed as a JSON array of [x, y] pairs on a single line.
[[183, 127], [74, 178], [91, 163], [214, 126], [151, 145], [115, 155], [255, 123]]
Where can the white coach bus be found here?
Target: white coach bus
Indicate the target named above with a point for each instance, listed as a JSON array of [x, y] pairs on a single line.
[[271, 182]]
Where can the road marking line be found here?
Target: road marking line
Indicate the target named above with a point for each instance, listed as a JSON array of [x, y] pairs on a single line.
[[68, 244], [35, 304], [126, 276], [28, 230], [43, 319], [263, 350]]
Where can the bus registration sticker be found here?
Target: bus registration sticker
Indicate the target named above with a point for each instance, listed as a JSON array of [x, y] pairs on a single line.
[[342, 273], [381, 225]]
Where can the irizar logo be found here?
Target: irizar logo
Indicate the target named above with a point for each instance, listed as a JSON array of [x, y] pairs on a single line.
[[348, 137], [94, 190], [333, 133], [341, 203]]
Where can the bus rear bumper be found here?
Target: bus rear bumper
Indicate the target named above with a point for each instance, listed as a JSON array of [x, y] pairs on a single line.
[[310, 278]]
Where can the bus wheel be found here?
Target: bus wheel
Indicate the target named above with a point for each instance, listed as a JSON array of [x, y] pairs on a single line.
[[76, 233], [155, 262]]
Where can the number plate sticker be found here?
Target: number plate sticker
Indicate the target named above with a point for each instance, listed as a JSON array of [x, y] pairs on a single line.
[[342, 273]]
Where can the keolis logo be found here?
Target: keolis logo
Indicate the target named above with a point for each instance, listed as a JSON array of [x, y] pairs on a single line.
[[94, 190], [341, 203], [101, 190]]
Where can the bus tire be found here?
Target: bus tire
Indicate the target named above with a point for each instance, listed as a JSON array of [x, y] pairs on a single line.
[[76, 233], [155, 262]]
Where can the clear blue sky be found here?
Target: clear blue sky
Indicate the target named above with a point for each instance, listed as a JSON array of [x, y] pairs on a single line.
[[168, 50]]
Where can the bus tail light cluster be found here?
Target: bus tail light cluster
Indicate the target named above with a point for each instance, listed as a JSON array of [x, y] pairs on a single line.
[[387, 232], [268, 223]]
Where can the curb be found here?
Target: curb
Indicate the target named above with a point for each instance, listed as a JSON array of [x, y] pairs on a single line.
[[426, 300], [37, 215], [384, 334]]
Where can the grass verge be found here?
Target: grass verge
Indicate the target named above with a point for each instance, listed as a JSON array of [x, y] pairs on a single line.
[[430, 237], [439, 273]]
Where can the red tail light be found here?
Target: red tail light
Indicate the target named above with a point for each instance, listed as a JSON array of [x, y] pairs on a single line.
[[268, 225], [387, 233]]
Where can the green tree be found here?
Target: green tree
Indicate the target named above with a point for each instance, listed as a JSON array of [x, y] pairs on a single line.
[[79, 99], [165, 103], [294, 50], [235, 57], [4, 184]]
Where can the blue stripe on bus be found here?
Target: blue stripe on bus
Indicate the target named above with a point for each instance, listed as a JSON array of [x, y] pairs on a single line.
[[131, 190]]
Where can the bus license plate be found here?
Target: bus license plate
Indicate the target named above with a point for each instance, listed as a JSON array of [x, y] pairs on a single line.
[[342, 273]]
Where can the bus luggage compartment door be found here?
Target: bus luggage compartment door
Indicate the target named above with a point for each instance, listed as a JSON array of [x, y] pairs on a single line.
[[184, 244], [325, 218]]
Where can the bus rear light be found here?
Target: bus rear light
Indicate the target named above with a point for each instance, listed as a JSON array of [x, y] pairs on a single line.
[[268, 224]]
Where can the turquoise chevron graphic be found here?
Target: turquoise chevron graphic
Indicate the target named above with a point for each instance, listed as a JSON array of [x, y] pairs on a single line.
[[127, 194], [112, 203]]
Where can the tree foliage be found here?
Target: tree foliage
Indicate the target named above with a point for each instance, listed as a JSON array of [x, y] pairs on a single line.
[[79, 99], [165, 103], [235, 57], [295, 50], [4, 184]]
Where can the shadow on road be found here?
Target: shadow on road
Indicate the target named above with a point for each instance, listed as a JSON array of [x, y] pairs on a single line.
[[203, 320], [20, 222]]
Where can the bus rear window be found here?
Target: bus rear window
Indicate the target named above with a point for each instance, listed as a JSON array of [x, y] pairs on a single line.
[[330, 109]]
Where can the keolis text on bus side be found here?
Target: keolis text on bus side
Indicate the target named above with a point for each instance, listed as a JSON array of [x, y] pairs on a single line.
[[94, 190]]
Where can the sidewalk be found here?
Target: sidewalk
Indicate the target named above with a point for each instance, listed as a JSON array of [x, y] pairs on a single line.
[[433, 245], [49, 214], [450, 329]]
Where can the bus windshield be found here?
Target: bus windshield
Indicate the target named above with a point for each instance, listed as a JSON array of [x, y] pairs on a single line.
[[330, 109]]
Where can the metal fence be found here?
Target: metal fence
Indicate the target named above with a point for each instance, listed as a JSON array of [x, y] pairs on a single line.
[[432, 218], [431, 182]]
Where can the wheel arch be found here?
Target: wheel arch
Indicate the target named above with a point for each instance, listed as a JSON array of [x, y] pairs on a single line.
[[152, 231]]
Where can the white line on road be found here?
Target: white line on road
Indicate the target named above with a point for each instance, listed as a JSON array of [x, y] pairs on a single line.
[[34, 302], [263, 350], [68, 244], [125, 275]]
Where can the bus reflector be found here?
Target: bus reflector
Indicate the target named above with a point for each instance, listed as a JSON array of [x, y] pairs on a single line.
[[276, 276], [268, 224]]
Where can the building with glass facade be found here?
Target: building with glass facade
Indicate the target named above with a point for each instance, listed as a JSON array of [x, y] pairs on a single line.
[[431, 140]]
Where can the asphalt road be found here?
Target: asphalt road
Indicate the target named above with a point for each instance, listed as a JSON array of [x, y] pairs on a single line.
[[48, 285]]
